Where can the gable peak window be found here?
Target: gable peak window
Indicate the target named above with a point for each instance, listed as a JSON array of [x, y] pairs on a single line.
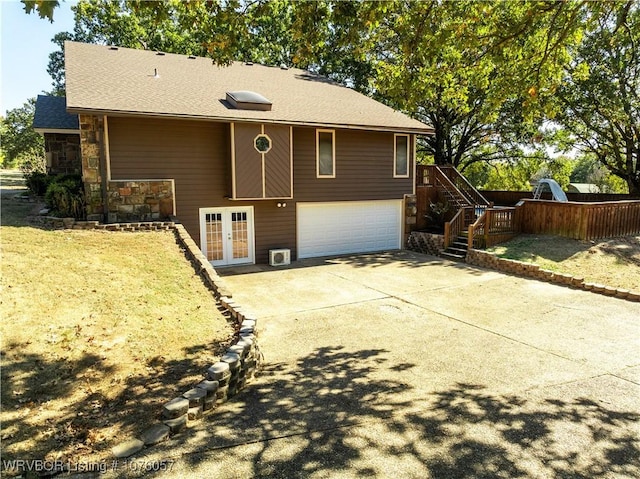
[[326, 153]]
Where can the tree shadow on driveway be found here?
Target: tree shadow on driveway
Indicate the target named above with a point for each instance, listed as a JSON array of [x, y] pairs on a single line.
[[330, 415]]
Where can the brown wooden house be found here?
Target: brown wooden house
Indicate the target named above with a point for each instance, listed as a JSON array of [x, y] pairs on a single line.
[[251, 159]]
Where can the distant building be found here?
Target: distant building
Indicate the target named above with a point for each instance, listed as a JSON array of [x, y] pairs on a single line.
[[583, 188]]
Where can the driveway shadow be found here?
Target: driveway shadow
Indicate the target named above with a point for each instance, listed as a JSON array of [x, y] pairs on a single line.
[[327, 416]]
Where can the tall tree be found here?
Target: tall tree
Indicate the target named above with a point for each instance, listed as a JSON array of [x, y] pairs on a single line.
[[119, 23], [600, 101], [18, 138], [480, 72]]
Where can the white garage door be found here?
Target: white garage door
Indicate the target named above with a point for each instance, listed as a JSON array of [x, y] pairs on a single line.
[[343, 227]]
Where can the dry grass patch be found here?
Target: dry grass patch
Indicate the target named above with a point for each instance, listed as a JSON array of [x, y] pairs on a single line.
[[99, 329], [613, 262]]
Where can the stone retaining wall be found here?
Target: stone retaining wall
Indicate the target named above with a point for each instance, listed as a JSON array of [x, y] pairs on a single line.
[[427, 243], [530, 270], [225, 378]]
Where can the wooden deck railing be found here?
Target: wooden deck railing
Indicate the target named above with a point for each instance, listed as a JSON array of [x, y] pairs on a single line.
[[494, 226], [583, 221]]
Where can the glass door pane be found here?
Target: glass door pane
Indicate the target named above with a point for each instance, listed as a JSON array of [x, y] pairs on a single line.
[[214, 237], [239, 235]]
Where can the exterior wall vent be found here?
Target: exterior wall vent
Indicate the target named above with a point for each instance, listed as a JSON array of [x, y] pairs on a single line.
[[248, 100]]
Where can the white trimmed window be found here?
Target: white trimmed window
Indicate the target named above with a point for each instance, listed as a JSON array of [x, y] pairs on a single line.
[[401, 156], [325, 153]]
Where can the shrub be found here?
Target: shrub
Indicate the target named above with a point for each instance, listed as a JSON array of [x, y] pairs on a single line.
[[438, 213], [37, 182], [65, 196]]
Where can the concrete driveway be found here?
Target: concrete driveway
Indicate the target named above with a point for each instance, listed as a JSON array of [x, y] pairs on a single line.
[[407, 366]]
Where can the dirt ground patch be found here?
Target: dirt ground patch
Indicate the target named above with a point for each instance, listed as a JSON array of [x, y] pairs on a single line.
[[613, 262], [99, 329]]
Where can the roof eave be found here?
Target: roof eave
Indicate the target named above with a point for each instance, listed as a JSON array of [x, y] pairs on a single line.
[[42, 131], [229, 119]]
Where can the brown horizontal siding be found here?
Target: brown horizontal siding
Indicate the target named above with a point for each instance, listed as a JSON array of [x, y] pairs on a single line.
[[364, 168], [274, 228], [197, 156]]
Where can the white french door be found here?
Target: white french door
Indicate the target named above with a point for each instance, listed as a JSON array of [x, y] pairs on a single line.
[[226, 235]]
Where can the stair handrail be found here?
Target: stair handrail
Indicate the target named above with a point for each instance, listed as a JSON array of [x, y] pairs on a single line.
[[448, 185], [453, 228], [469, 188], [477, 228]]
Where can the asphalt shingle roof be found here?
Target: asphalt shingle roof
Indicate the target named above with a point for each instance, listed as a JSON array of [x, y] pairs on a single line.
[[51, 114], [121, 80]]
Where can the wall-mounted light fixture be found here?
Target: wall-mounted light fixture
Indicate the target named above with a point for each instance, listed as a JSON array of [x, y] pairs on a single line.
[[282, 205]]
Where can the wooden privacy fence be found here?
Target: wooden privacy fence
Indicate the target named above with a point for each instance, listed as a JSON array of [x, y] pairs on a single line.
[[583, 221], [511, 198]]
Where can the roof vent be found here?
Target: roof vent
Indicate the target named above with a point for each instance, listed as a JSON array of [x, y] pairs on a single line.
[[191, 57], [160, 53], [248, 63], [112, 47], [248, 100], [284, 67]]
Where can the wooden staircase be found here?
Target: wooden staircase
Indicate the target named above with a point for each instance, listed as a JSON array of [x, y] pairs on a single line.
[[457, 251], [468, 203]]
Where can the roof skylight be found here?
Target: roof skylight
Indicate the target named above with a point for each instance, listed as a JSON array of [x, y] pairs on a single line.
[[248, 100]]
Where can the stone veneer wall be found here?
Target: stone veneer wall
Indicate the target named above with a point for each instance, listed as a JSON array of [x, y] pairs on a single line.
[[63, 152], [133, 200], [410, 216], [91, 137], [427, 243], [530, 270]]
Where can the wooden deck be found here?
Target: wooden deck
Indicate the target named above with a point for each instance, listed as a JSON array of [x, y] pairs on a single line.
[[486, 226]]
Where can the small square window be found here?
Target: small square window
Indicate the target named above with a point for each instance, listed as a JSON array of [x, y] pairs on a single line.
[[325, 154], [401, 156]]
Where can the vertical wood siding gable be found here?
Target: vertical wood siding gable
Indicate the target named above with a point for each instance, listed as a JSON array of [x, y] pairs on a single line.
[[278, 162], [247, 161]]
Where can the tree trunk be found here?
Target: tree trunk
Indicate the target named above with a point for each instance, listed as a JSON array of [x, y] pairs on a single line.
[[634, 188]]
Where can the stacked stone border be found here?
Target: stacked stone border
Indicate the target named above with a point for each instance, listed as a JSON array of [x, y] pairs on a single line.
[[427, 243], [530, 270], [227, 377]]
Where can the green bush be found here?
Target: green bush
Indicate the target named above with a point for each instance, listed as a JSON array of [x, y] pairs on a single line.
[[38, 182], [65, 196]]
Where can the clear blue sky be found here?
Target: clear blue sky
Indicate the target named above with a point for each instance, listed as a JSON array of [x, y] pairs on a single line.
[[24, 51]]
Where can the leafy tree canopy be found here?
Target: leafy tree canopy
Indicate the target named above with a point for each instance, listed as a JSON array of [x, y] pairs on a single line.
[[18, 138], [484, 74], [599, 105]]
